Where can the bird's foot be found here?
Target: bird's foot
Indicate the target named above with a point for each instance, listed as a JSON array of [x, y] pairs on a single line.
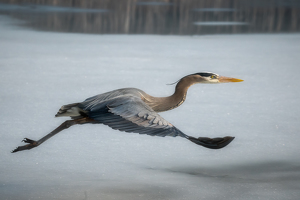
[[212, 143], [31, 144]]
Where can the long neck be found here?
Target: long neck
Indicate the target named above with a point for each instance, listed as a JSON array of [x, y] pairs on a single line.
[[160, 104]]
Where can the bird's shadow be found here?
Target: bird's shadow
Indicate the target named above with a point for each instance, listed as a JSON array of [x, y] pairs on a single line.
[[259, 172]]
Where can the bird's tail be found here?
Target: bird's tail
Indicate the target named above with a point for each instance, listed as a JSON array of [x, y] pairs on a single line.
[[211, 143], [70, 110]]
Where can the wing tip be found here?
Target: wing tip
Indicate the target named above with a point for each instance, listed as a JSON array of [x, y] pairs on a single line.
[[212, 143]]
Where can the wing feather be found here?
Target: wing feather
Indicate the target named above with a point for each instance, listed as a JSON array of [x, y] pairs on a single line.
[[130, 114]]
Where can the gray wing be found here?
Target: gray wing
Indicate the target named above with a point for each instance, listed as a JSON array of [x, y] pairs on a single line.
[[130, 114], [110, 95]]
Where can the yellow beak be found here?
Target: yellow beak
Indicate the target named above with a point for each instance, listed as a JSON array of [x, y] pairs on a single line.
[[224, 79]]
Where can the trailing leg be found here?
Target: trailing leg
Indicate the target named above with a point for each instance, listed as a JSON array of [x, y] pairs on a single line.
[[32, 143]]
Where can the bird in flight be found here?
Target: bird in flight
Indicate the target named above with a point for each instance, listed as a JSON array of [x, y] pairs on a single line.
[[133, 110]]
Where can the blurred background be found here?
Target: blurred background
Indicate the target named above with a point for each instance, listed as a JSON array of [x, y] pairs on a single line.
[[168, 17], [148, 44]]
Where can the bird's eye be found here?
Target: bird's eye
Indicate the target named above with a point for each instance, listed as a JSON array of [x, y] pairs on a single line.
[[212, 76]]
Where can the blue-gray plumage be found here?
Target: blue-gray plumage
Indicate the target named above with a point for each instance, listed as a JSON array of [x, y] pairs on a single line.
[[130, 114], [133, 110]]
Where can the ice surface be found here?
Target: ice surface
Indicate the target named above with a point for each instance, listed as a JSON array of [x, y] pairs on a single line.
[[42, 71], [215, 9], [217, 23]]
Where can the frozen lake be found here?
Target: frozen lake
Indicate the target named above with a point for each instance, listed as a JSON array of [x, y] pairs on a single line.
[[41, 71]]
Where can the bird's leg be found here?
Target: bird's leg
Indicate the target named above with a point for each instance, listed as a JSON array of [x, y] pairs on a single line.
[[32, 143], [211, 143]]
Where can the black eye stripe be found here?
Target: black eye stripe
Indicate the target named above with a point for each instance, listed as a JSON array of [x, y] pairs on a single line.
[[206, 74]]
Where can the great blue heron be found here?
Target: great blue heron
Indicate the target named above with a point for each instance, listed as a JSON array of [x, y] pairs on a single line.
[[132, 110]]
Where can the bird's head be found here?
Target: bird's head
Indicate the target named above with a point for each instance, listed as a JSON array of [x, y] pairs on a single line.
[[209, 77]]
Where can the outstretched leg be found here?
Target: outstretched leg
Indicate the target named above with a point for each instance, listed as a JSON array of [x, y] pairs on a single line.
[[211, 143], [31, 143]]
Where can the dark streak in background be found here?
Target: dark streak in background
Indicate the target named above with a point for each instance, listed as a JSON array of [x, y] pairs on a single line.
[[176, 17]]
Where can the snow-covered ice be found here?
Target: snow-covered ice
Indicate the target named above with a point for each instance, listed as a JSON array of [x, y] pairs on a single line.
[[41, 71]]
